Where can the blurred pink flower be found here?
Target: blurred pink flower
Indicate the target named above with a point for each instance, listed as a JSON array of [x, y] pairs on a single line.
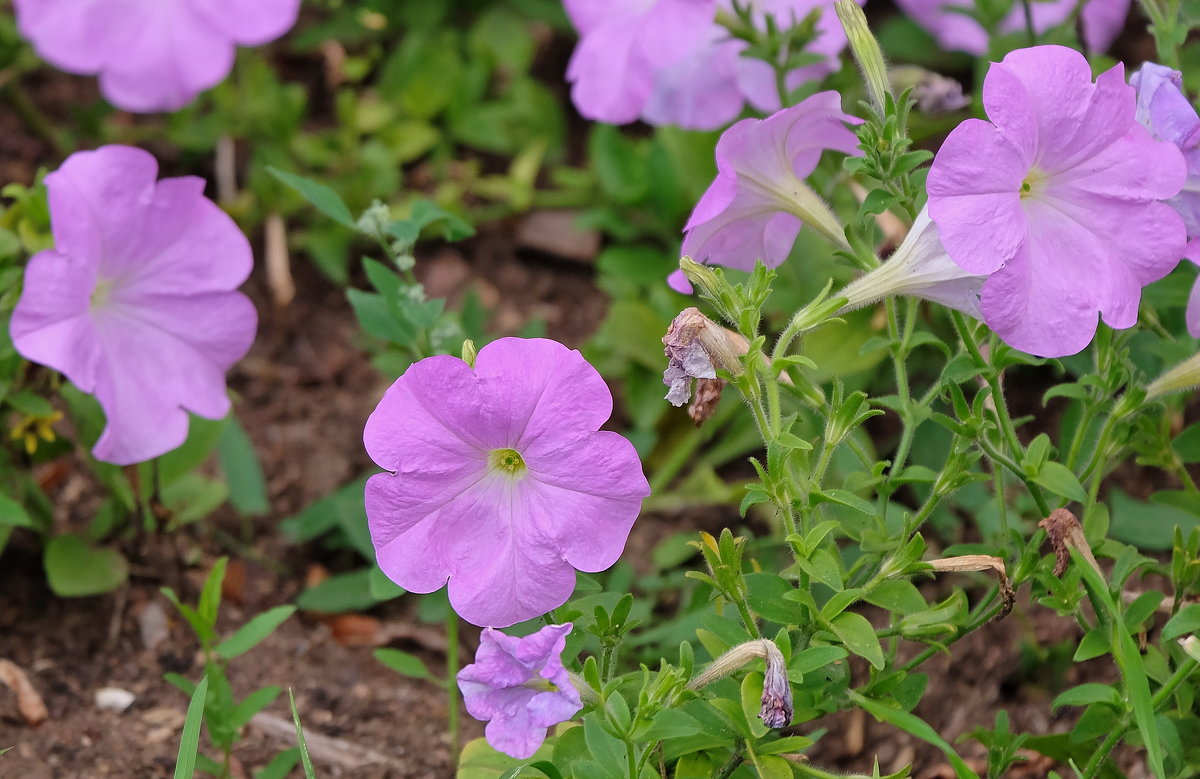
[[151, 56], [136, 302], [519, 687], [500, 482], [1057, 201], [669, 62], [954, 30], [758, 202]]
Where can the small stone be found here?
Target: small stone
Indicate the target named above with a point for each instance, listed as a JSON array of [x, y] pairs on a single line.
[[113, 699]]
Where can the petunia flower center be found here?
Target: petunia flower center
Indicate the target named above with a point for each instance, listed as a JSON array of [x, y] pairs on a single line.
[[1032, 183], [540, 684], [101, 294], [508, 461]]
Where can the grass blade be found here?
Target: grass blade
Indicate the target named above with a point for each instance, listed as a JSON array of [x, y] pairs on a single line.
[[189, 745], [305, 760]]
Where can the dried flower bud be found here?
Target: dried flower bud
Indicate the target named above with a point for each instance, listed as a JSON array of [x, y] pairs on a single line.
[[708, 395], [695, 347], [1066, 533], [935, 94], [982, 562], [777, 710]]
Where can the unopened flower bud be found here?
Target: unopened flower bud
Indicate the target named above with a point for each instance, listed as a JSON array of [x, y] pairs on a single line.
[[699, 276], [469, 352], [374, 220], [695, 347], [866, 51]]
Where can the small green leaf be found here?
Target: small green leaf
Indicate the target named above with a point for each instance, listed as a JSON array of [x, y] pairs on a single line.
[[859, 637], [325, 199], [75, 569], [13, 514], [1061, 480], [189, 745], [243, 472], [1187, 620], [403, 663], [1087, 694], [254, 631]]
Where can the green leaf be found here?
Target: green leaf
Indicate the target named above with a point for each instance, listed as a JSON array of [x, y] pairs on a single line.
[[1187, 620], [202, 438], [1061, 480], [1087, 694], [305, 760], [403, 663], [479, 761], [193, 497], [1187, 444], [189, 745], [378, 319], [243, 472], [845, 498], [13, 514], [341, 593], [1129, 660], [252, 704], [915, 726], [859, 637], [75, 569], [254, 631], [281, 765], [325, 199]]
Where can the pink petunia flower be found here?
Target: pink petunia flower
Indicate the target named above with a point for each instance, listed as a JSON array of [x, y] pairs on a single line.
[[1169, 115], [136, 302], [669, 62], [954, 30], [519, 687], [151, 56], [758, 202], [500, 482], [1056, 200]]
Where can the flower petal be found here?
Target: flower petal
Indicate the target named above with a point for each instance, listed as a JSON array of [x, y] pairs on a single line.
[[598, 482], [249, 22], [50, 324]]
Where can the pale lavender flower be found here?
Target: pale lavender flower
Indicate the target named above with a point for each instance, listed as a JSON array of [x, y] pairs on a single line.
[[1166, 112], [519, 687], [670, 62], [136, 302], [1056, 200], [151, 56], [758, 202], [500, 482], [954, 30]]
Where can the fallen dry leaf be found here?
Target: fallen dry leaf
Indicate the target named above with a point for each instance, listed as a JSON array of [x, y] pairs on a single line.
[[29, 703]]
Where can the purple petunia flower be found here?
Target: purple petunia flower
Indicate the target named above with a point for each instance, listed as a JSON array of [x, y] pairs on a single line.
[[500, 482], [1056, 201], [136, 302], [151, 56], [1166, 112], [518, 686], [669, 62], [758, 202], [954, 30]]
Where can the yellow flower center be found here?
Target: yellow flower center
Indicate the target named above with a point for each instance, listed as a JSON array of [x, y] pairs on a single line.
[[507, 460]]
